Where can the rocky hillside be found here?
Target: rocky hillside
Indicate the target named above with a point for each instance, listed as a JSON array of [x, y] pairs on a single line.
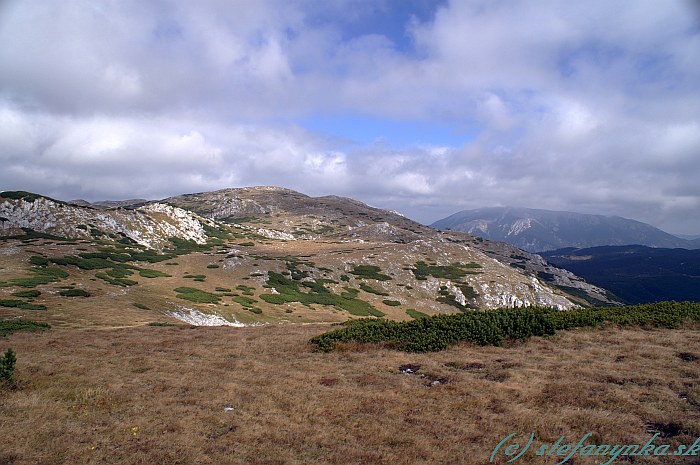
[[299, 216], [150, 225], [255, 255], [541, 230]]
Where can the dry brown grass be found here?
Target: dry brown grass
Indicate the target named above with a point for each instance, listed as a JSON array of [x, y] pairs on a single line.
[[154, 395]]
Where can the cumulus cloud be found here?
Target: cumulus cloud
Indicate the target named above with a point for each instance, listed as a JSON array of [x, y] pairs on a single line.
[[588, 106]]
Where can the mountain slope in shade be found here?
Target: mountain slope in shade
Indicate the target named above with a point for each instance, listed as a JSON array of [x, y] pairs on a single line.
[[635, 273], [540, 230]]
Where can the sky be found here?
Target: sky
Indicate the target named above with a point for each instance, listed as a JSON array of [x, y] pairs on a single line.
[[425, 107]]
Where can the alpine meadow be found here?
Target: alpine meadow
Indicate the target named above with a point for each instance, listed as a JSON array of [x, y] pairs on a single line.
[[391, 232]]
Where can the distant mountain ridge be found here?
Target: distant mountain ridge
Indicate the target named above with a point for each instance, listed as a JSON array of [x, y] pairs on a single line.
[[130, 203], [537, 230]]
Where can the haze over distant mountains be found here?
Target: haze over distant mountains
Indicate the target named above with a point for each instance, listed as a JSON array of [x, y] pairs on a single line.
[[538, 230]]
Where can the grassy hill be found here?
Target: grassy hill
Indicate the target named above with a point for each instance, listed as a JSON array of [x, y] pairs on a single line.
[[107, 311], [251, 256]]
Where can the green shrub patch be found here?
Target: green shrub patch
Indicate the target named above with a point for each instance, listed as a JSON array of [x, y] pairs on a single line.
[[7, 365], [246, 302], [493, 327], [38, 261], [114, 263], [468, 291], [370, 272], [247, 290], [197, 295], [74, 293], [41, 276], [90, 263], [372, 290], [119, 272], [291, 291], [415, 314], [29, 235], [116, 281], [146, 273], [27, 294], [10, 326], [21, 304], [195, 276], [454, 272]]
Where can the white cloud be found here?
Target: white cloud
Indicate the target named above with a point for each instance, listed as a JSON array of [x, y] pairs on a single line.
[[586, 106], [124, 82]]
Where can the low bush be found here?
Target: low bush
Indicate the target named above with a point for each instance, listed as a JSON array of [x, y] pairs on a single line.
[[41, 276], [21, 304], [277, 299], [10, 326], [493, 327], [146, 273], [246, 302], [370, 272], [197, 295], [247, 290], [415, 314], [7, 365], [74, 293], [438, 332], [116, 281], [453, 272], [38, 261], [372, 290], [30, 294]]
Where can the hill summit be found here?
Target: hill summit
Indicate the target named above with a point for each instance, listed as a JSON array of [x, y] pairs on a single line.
[[256, 255]]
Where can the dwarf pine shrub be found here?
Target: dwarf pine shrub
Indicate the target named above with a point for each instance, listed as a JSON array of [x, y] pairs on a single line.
[[7, 365], [493, 327]]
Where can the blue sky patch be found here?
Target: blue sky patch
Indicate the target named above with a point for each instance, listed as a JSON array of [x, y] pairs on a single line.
[[351, 130]]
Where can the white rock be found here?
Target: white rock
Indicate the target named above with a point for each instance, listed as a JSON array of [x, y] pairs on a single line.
[[197, 318]]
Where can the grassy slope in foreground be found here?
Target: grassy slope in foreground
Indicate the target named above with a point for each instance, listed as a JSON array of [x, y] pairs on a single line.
[[84, 393], [491, 328]]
